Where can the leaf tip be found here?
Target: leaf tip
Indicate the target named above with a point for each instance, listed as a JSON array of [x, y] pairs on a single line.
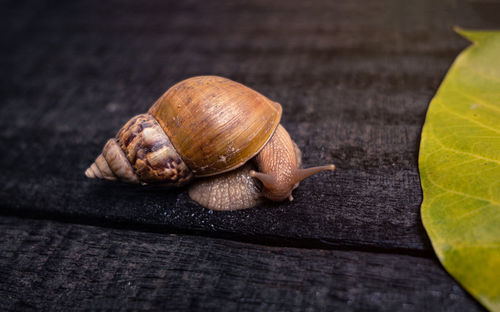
[[467, 34], [475, 36]]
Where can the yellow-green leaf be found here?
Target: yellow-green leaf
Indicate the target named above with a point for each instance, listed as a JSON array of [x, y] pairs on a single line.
[[459, 165]]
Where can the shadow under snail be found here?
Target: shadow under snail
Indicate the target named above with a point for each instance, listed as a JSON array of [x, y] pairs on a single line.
[[218, 131]]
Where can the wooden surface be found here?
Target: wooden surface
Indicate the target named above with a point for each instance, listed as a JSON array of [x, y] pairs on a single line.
[[50, 265], [354, 79]]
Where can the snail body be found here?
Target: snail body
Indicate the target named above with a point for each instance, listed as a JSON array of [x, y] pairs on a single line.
[[208, 127]]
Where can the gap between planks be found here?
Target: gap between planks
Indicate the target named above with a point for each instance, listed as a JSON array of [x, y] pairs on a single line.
[[254, 239]]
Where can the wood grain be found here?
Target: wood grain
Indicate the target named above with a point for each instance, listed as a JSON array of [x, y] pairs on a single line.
[[55, 266]]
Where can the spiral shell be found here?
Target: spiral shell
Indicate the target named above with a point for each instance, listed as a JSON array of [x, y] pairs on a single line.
[[200, 127]]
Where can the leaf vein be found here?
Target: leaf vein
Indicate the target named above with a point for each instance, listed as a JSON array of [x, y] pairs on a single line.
[[471, 120], [443, 146]]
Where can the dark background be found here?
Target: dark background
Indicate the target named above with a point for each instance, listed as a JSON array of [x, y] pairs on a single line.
[[354, 79]]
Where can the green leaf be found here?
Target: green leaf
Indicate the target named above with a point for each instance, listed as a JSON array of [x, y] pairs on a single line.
[[459, 165]]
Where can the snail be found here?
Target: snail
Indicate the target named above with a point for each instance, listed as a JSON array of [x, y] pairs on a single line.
[[220, 133]]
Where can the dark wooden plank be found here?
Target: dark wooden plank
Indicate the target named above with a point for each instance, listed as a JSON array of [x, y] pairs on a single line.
[[354, 79], [53, 266]]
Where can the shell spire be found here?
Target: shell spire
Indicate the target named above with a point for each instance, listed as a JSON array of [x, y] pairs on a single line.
[[140, 153], [112, 164]]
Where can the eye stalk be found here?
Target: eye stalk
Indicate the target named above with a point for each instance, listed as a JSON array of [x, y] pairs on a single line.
[[278, 191]]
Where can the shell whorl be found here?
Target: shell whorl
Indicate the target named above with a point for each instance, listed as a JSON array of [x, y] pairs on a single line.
[[141, 152], [112, 164], [150, 152]]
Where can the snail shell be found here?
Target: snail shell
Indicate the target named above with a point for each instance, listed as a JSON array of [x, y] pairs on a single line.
[[202, 126]]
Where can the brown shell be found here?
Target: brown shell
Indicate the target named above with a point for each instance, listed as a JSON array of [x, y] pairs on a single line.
[[214, 123], [150, 152]]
